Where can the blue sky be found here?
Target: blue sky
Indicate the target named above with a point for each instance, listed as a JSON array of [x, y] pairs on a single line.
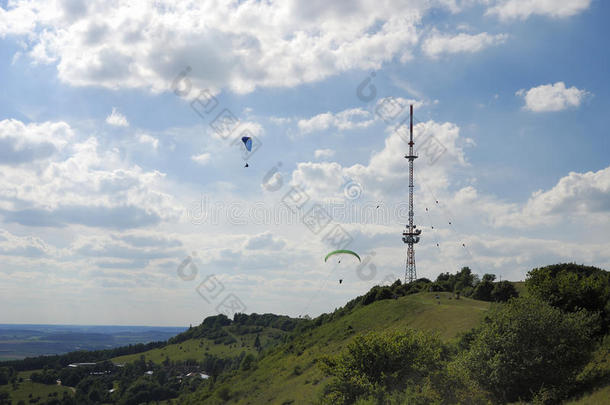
[[110, 180]]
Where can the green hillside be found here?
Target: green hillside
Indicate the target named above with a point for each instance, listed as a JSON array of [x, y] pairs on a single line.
[[289, 373], [253, 359]]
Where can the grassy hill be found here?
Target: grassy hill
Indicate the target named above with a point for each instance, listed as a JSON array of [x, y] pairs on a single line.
[[274, 359], [288, 374], [199, 347]]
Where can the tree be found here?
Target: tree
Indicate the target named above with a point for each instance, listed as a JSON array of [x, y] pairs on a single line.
[[503, 291], [379, 363], [528, 347], [257, 343], [570, 286], [482, 291]]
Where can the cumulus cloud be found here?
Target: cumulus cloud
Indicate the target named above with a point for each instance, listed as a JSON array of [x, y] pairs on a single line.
[[22, 143], [82, 185], [574, 197], [438, 144], [117, 119], [439, 44], [552, 97], [147, 139], [202, 159], [324, 153], [264, 241], [348, 119], [28, 246], [522, 9], [239, 46]]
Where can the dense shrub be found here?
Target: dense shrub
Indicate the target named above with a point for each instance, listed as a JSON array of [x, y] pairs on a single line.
[[528, 347], [378, 363], [570, 286], [503, 291]]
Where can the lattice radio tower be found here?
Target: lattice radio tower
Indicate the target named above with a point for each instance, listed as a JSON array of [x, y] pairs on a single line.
[[410, 235]]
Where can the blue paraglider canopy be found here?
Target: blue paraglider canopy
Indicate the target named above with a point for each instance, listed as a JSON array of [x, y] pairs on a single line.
[[248, 142]]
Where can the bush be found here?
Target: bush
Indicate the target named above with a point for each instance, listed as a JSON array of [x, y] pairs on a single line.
[[528, 347], [570, 286], [483, 291], [503, 291], [224, 393], [379, 363]]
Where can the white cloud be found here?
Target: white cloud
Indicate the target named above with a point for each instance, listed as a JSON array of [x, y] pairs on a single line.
[[239, 46], [264, 241], [440, 44], [202, 159], [27, 246], [117, 119], [552, 97], [324, 153], [348, 119], [147, 139], [386, 173], [522, 9], [577, 197], [83, 184], [23, 143]]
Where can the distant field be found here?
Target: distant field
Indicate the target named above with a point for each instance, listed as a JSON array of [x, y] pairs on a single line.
[[20, 341], [36, 390]]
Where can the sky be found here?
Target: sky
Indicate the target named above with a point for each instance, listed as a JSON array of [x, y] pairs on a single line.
[[123, 193]]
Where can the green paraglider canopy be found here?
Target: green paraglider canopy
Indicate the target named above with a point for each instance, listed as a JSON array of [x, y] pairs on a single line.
[[337, 252]]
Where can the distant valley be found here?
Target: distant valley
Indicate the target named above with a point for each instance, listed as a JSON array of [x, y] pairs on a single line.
[[18, 341]]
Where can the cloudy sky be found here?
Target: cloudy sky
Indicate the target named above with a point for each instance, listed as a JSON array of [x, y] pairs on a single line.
[[123, 193]]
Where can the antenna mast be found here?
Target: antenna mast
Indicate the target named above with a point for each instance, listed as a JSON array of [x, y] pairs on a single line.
[[410, 235]]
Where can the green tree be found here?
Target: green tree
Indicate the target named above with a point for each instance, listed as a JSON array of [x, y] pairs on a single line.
[[464, 279], [570, 286], [482, 291], [503, 291], [379, 363], [528, 347]]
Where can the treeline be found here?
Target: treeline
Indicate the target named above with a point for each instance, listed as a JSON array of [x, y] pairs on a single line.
[[537, 348], [81, 356], [212, 327]]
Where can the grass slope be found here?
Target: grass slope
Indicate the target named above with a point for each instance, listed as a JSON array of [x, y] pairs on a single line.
[[36, 390], [197, 348], [289, 375]]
